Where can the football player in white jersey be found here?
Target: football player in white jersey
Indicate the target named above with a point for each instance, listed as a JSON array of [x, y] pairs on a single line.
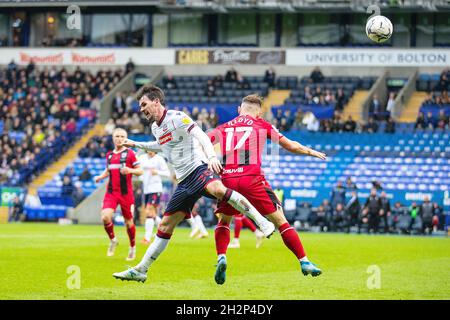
[[189, 150], [154, 167]]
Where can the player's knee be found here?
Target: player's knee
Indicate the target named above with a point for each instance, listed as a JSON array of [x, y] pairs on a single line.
[[217, 189], [106, 219]]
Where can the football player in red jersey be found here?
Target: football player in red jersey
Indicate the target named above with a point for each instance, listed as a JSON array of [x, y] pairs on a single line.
[[121, 165], [242, 141]]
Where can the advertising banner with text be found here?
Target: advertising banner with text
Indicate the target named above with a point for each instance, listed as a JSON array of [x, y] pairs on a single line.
[[436, 57], [87, 56], [230, 56]]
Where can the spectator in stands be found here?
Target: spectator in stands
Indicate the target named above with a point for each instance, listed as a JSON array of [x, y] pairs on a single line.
[[350, 185], [341, 100], [427, 214], [316, 75], [337, 195], [439, 221], [118, 104], [320, 218], [231, 75], [269, 77], [110, 126], [71, 126], [307, 95], [429, 121], [12, 66], [242, 82], [329, 97], [16, 210], [371, 211], [129, 66], [385, 211], [213, 118], [390, 104], [298, 120], [210, 89], [218, 81], [311, 122], [70, 172], [338, 219], [443, 82], [390, 126], [85, 174], [352, 210], [396, 212], [136, 125], [420, 122], [371, 126], [67, 187], [349, 125], [77, 194], [375, 107], [443, 120], [169, 82]]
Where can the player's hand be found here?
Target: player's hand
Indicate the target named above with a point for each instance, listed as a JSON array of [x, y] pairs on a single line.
[[128, 143], [318, 154], [125, 170], [97, 179], [154, 172], [215, 165]]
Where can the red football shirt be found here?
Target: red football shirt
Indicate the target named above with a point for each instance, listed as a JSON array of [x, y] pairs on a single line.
[[118, 161], [242, 141]]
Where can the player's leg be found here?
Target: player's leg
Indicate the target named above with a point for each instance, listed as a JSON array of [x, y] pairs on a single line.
[[195, 229], [150, 214], [110, 203], [292, 242], [222, 238], [237, 231], [127, 206], [162, 238], [240, 203], [246, 222]]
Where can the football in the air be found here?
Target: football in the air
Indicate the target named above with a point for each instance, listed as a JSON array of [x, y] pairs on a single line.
[[379, 29]]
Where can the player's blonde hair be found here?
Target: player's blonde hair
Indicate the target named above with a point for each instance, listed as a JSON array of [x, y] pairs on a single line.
[[251, 104], [120, 129]]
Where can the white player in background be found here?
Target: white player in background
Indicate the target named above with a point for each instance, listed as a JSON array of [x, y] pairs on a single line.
[[155, 167]]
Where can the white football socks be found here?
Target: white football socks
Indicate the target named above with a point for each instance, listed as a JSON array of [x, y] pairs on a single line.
[[200, 225], [240, 203], [149, 224], [152, 253]]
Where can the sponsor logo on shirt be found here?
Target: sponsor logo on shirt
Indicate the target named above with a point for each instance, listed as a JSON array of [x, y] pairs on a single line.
[[165, 138], [232, 171]]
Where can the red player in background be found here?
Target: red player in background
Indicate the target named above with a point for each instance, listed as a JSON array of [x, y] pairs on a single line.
[[121, 165], [242, 141]]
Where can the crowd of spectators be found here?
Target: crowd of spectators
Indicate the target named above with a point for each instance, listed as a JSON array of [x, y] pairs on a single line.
[[438, 99], [375, 215], [39, 111]]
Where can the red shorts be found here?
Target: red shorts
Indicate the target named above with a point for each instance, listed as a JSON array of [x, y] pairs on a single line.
[[256, 189], [126, 202]]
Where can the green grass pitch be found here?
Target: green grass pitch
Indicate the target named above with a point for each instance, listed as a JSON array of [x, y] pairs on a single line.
[[34, 260]]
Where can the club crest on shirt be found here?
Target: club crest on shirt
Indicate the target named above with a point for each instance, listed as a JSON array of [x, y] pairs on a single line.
[[165, 138], [186, 120]]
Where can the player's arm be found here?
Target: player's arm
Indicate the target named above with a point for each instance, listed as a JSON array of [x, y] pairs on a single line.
[[147, 146], [297, 148], [202, 137], [103, 175]]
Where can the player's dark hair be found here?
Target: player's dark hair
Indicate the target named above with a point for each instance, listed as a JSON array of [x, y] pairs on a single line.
[[253, 99], [152, 92]]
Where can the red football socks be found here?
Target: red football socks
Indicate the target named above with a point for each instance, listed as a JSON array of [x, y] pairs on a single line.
[[291, 240], [132, 235], [222, 235], [109, 228]]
